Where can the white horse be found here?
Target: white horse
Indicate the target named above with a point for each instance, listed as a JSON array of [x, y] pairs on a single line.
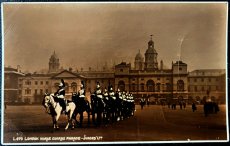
[[55, 109]]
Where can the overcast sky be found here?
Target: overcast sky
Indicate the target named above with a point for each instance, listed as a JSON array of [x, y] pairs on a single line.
[[84, 35]]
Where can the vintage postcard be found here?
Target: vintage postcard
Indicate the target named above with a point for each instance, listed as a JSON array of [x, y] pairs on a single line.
[[109, 72]]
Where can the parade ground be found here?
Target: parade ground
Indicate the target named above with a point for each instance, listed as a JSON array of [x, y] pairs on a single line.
[[29, 124]]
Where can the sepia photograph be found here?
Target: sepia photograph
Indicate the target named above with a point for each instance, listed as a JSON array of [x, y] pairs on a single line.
[[114, 73]]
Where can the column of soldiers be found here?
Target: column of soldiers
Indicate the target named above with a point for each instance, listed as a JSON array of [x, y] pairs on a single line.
[[111, 106]]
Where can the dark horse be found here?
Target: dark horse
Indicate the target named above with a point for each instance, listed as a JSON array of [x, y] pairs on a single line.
[[82, 106], [97, 109]]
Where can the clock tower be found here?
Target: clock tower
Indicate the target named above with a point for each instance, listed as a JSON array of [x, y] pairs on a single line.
[[151, 57]]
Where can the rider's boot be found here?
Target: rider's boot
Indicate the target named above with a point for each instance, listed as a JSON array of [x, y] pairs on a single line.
[[66, 104]]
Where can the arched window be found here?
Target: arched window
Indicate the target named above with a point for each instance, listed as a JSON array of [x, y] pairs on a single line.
[[121, 85], [150, 86], [180, 85], [168, 87], [74, 87]]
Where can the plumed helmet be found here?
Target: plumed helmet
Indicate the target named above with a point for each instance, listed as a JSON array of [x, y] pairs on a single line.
[[98, 85], [61, 84], [110, 88], [82, 84], [118, 90], [105, 90]]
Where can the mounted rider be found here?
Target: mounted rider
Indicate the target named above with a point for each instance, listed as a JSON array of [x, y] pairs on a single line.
[[60, 94], [81, 95], [106, 111], [99, 103], [112, 103]]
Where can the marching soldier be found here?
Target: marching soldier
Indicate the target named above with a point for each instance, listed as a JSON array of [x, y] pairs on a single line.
[[60, 94]]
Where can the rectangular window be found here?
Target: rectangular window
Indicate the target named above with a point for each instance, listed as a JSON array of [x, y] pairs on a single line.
[[142, 79], [41, 82], [195, 80], [195, 88], [202, 88], [47, 82], [35, 91], [41, 91], [27, 91], [209, 79], [202, 79], [180, 68], [36, 82]]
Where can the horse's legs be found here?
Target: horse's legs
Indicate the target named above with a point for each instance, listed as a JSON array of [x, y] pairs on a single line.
[[69, 119], [56, 119], [54, 122], [81, 118], [93, 117], [88, 112]]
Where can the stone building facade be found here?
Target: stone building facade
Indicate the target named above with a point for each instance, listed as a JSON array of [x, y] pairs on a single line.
[[146, 79]]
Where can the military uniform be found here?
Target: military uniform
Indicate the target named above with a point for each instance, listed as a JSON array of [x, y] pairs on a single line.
[[60, 94], [99, 103], [81, 96], [112, 103]]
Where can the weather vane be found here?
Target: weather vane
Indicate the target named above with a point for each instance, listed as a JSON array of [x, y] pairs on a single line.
[[151, 36]]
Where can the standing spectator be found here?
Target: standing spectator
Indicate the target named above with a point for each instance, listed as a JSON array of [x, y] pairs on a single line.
[[193, 107]]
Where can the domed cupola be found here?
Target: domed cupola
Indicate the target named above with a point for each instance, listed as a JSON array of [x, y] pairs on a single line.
[[139, 56], [139, 61], [53, 56], [151, 56], [54, 63], [151, 43]]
